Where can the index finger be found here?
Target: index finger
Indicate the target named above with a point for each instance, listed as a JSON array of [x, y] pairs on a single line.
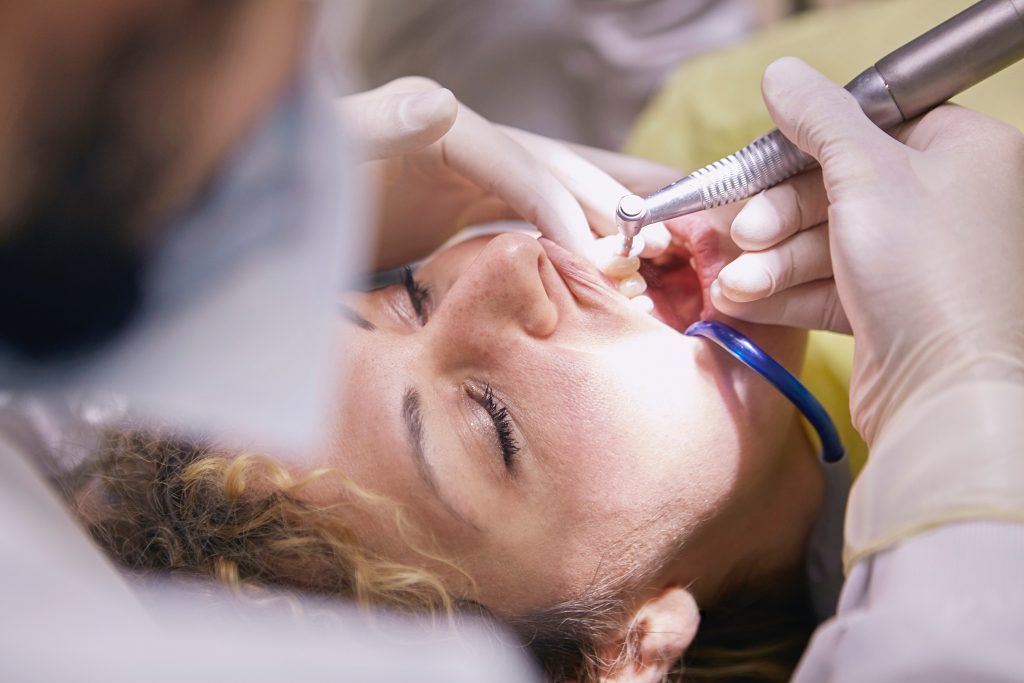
[[947, 126], [597, 192], [496, 163]]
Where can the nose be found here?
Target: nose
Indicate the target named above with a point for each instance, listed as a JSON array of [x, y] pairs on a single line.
[[499, 297]]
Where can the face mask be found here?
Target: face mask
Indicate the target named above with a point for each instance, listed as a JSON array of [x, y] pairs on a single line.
[[226, 323]]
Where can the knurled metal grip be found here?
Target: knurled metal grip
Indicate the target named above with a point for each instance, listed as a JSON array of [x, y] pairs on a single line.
[[765, 162], [978, 42]]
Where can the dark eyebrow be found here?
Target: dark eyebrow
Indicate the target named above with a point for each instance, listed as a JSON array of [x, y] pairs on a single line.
[[353, 317], [412, 415]]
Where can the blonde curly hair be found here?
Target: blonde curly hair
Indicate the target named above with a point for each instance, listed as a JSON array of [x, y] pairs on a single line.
[[159, 504]]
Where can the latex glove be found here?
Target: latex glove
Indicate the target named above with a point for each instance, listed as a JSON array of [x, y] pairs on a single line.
[[599, 179], [585, 172], [915, 245], [442, 167]]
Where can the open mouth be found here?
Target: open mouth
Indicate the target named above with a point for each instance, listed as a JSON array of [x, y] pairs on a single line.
[[678, 282], [675, 289]]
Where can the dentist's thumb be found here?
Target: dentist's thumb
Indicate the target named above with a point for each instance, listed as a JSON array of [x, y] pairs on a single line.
[[822, 118]]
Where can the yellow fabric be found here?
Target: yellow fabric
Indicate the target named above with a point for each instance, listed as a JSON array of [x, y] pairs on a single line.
[[826, 374], [712, 105]]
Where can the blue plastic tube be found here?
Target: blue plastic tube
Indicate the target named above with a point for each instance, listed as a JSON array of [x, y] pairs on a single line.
[[748, 353]]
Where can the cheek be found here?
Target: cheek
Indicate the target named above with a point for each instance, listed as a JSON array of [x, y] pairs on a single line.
[[676, 442], [785, 344], [366, 443]]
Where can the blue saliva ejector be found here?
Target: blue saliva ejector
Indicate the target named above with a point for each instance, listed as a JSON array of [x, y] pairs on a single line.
[[747, 352]]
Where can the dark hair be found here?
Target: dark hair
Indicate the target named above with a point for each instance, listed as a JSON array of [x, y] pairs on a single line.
[[756, 633]]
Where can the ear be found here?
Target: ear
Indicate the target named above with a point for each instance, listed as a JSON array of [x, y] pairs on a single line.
[[659, 633]]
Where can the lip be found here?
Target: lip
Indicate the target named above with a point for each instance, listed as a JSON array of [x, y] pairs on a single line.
[[674, 288], [678, 283], [585, 282]]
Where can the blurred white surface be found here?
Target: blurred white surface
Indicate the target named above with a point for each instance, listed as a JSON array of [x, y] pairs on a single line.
[[578, 70]]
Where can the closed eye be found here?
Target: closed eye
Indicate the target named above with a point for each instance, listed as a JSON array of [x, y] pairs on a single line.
[[502, 421], [419, 295]]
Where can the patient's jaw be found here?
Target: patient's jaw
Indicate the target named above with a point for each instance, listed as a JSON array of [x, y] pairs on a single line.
[[547, 435]]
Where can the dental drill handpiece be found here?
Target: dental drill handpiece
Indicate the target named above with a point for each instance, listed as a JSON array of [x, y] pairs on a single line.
[[980, 41]]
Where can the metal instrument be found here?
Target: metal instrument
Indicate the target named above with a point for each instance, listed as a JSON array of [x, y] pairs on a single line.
[[962, 51]]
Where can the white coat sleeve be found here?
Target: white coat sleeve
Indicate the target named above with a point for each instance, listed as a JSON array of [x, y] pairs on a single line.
[[946, 605], [934, 548]]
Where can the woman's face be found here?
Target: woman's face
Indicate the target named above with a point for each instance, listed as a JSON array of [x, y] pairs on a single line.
[[547, 434]]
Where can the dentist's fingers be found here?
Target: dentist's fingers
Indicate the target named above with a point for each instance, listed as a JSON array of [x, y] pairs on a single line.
[[948, 127], [657, 239], [597, 192], [391, 124], [775, 214], [754, 275], [486, 156], [813, 305], [641, 176]]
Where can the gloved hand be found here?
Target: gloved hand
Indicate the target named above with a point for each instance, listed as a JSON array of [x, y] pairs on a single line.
[[914, 244], [441, 167]]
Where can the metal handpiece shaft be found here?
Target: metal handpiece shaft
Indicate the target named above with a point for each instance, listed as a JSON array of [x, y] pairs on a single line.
[[980, 41]]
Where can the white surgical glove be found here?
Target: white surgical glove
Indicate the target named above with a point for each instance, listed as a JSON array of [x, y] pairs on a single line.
[[915, 245], [441, 167]]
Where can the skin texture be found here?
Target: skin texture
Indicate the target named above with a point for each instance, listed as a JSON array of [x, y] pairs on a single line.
[[641, 451]]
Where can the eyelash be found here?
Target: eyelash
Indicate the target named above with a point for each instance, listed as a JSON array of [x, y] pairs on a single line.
[[419, 297], [419, 294], [502, 425]]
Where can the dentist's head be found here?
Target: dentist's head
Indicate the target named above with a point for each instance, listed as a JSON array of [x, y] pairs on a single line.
[[111, 119], [174, 180]]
